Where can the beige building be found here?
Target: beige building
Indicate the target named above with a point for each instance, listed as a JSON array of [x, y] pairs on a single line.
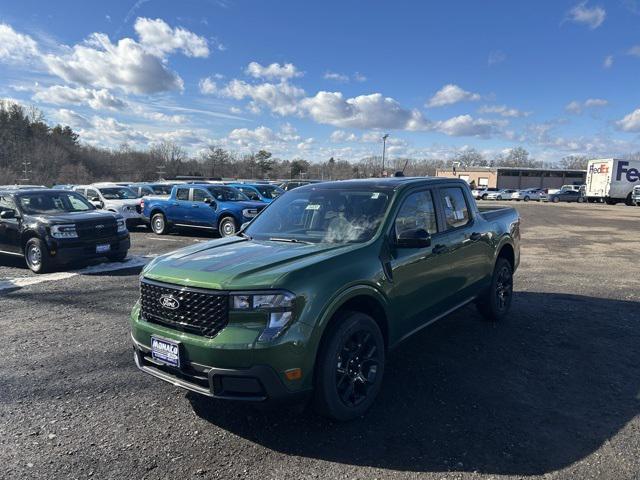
[[515, 177]]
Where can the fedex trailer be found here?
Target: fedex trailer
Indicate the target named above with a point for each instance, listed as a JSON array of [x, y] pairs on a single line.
[[611, 180]]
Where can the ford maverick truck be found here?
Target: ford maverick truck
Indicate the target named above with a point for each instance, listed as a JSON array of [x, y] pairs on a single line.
[[207, 206], [307, 300]]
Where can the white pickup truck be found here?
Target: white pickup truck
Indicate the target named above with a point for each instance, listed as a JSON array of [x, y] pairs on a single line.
[[612, 180], [114, 198]]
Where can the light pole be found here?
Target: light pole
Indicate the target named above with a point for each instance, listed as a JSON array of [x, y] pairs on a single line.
[[384, 148]]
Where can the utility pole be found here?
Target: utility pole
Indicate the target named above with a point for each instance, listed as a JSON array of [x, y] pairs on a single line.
[[161, 172], [384, 148]]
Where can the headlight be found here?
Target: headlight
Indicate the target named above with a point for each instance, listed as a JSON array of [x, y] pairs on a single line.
[[64, 231], [122, 225], [278, 305], [249, 212]]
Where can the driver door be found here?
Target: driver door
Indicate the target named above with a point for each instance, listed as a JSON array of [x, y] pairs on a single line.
[[417, 273], [203, 209], [9, 228]]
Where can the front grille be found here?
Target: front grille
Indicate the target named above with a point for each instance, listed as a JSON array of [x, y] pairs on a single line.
[[195, 311], [96, 230]]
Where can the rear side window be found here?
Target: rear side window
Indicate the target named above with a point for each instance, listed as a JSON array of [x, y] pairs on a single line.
[[456, 212], [182, 194], [417, 212]]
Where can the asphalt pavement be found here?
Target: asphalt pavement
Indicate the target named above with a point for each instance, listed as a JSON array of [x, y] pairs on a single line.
[[553, 392]]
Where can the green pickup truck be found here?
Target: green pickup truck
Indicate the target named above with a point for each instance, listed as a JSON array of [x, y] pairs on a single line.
[[309, 298]]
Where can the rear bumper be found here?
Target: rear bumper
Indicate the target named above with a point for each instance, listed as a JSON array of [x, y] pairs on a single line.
[[258, 384], [64, 253]]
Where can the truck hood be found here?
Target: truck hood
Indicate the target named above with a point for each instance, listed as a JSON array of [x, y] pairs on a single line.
[[76, 217], [236, 263]]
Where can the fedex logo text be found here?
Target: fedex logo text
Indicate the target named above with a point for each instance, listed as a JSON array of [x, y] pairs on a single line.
[[632, 174], [602, 168]]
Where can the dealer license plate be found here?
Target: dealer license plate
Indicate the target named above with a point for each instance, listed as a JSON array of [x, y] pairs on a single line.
[[165, 351]]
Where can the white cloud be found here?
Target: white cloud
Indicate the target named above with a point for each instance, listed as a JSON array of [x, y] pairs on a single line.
[[126, 65], [336, 77], [16, 47], [160, 39], [495, 57], [503, 111], [339, 136], [450, 94], [590, 16], [281, 98], [208, 86], [608, 61], [635, 51], [575, 107], [71, 118], [364, 111], [344, 78], [467, 126], [96, 99], [273, 71], [631, 122]]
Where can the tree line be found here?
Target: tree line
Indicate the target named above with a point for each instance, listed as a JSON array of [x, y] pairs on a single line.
[[32, 151]]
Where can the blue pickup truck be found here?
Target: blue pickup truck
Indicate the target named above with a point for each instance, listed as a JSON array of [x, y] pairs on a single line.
[[214, 207]]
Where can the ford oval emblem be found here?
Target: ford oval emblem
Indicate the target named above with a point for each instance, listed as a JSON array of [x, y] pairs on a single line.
[[99, 227], [170, 302]]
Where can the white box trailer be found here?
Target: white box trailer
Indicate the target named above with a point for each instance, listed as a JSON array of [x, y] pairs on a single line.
[[611, 180]]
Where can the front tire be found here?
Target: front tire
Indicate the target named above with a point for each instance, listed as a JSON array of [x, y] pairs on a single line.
[[227, 227], [580, 200], [526, 199], [37, 256], [159, 224], [350, 367], [555, 200], [495, 303]]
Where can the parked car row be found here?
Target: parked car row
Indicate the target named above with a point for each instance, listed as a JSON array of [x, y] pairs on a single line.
[[568, 193]]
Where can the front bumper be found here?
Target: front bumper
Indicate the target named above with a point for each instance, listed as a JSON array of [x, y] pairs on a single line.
[[66, 251], [259, 383], [231, 365]]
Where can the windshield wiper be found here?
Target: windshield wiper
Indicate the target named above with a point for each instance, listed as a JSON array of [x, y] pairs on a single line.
[[244, 235], [289, 240]]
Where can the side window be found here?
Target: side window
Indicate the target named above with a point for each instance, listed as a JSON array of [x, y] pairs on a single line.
[[199, 195], [92, 194], [249, 193], [6, 204], [182, 194], [81, 191], [456, 212], [417, 212]]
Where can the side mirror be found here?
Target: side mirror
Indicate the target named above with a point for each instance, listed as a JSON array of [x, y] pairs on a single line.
[[416, 238], [208, 200], [7, 214], [244, 225], [95, 199]]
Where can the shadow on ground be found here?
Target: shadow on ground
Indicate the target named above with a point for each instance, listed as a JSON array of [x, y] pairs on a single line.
[[531, 395]]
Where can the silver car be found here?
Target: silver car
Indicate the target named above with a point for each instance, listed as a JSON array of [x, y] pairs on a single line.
[[502, 194], [529, 194]]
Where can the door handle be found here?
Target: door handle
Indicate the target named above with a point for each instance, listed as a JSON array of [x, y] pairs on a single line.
[[174, 204], [475, 236], [195, 206], [438, 249]]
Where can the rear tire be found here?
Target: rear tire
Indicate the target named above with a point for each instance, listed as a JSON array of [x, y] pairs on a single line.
[[555, 200], [159, 224], [580, 200], [628, 201], [37, 256], [349, 367], [526, 199], [484, 197], [495, 302]]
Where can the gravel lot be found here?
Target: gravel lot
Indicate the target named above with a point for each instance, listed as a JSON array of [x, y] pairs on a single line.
[[554, 391]]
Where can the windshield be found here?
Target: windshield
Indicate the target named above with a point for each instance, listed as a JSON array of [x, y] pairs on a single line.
[[227, 194], [162, 189], [322, 216], [53, 202], [269, 191], [118, 193]]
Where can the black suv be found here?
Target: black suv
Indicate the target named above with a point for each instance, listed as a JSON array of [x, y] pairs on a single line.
[[49, 227]]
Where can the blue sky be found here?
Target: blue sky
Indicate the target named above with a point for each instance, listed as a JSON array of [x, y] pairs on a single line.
[[320, 79]]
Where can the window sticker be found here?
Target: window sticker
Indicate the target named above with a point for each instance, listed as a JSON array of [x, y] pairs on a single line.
[[313, 206], [447, 200], [375, 195]]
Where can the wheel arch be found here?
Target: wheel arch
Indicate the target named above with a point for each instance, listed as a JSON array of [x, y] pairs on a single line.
[[28, 235]]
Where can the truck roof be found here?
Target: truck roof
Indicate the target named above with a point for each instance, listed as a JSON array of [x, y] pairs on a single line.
[[391, 183]]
